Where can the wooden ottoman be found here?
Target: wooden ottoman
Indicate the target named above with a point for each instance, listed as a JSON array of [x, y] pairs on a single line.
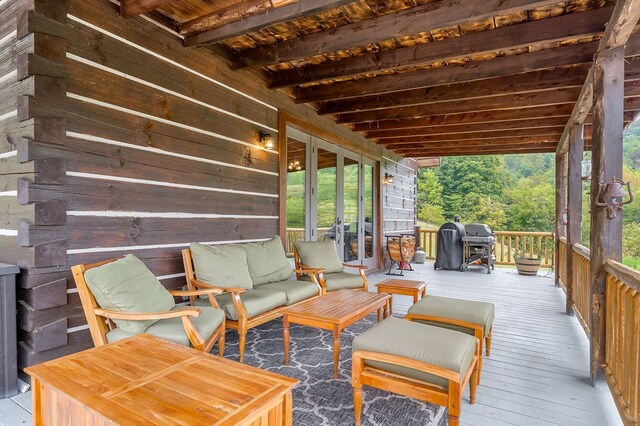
[[420, 361], [466, 316]]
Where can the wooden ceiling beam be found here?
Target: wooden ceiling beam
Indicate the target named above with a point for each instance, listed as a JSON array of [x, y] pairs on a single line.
[[520, 83], [407, 22], [129, 8], [503, 127], [253, 23], [503, 151], [456, 144], [468, 118], [618, 33], [401, 142], [451, 49], [476, 70], [496, 103]]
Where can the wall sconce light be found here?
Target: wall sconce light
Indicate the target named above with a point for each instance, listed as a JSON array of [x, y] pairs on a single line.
[[611, 194], [565, 217], [585, 169], [388, 179], [267, 141]]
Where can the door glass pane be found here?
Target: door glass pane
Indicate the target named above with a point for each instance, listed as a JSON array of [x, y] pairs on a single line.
[[327, 192], [368, 211], [296, 196], [351, 190]]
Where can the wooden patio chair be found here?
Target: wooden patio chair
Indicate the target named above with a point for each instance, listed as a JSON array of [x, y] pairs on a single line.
[[319, 259], [199, 327]]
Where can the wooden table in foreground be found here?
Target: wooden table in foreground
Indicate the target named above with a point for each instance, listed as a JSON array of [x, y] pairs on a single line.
[[335, 311], [402, 287], [147, 380]]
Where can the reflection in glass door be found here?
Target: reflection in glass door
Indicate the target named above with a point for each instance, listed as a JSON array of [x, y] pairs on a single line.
[[327, 221], [296, 192], [368, 212], [351, 195]]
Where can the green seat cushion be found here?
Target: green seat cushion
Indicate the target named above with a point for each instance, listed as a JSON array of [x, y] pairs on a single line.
[[342, 280], [267, 261], [296, 291], [320, 254], [433, 345], [480, 313], [221, 265], [128, 285], [172, 329], [255, 302]]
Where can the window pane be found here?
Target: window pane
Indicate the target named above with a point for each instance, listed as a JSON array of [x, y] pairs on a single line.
[[296, 193]]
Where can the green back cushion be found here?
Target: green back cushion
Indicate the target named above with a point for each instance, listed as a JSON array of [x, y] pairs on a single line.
[[222, 265], [320, 254], [267, 261], [127, 285]]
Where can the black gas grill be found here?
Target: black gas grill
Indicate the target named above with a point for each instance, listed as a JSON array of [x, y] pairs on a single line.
[[479, 243]]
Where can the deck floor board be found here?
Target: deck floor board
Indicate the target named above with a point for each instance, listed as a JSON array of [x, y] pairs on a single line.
[[538, 372]]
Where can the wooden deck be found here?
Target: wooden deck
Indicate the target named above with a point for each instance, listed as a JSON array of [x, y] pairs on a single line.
[[538, 370]]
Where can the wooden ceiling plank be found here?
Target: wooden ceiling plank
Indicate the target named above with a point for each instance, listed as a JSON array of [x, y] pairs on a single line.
[[521, 83], [505, 38], [407, 22], [476, 70], [491, 135], [129, 8], [505, 102], [269, 17], [618, 33], [505, 151]]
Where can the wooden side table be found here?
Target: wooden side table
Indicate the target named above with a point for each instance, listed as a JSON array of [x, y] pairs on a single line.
[[417, 289], [144, 380]]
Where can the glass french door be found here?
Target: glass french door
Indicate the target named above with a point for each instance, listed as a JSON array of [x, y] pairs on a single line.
[[330, 196]]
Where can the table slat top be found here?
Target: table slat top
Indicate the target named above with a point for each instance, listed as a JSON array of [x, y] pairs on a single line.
[[338, 306], [403, 284], [147, 380]]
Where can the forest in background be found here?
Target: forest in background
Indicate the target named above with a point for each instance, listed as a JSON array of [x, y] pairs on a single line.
[[517, 193]]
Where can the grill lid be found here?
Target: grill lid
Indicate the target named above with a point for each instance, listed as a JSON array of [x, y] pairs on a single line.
[[478, 230]]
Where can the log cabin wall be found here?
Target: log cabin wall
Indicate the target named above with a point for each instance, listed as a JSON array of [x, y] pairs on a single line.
[[117, 139], [398, 198]]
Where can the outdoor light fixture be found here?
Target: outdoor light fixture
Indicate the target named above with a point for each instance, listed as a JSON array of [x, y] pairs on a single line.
[[388, 178], [268, 141], [585, 167], [565, 217], [294, 165], [611, 194]]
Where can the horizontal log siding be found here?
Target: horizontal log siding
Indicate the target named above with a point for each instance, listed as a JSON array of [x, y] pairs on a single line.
[[398, 198], [132, 144]]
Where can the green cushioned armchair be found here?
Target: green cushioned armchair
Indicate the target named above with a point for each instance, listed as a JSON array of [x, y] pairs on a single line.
[[319, 259], [122, 298]]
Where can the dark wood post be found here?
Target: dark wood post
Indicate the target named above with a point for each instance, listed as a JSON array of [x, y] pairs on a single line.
[[606, 234], [417, 229], [574, 204], [561, 203]]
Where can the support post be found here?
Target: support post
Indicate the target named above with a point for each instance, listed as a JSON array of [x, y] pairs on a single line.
[[606, 234], [574, 205], [561, 203]]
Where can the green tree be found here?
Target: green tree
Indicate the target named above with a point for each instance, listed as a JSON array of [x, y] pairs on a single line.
[[487, 210], [531, 205]]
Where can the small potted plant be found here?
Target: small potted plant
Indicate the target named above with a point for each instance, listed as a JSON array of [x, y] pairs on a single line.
[[527, 265]]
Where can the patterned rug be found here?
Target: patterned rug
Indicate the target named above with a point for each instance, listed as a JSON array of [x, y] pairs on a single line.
[[319, 399]]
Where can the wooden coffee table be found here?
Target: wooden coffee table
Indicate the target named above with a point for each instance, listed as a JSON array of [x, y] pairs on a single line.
[[144, 380], [335, 311], [402, 287]]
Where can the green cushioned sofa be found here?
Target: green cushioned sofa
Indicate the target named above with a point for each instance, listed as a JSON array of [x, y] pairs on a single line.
[[320, 261], [255, 279]]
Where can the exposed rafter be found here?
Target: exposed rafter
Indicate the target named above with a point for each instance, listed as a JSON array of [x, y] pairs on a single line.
[[402, 142], [130, 8], [269, 17], [451, 49], [404, 23]]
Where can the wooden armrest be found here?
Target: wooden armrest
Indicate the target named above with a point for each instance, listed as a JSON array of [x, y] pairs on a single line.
[[409, 363], [206, 286], [195, 292], [356, 266], [146, 316], [304, 269]]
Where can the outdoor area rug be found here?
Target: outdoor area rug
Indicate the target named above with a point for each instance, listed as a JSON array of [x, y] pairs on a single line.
[[319, 399]]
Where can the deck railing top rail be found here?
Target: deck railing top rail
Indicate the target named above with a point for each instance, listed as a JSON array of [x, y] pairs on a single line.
[[626, 274]]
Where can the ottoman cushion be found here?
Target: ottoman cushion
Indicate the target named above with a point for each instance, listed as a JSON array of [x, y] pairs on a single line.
[[481, 313], [433, 345]]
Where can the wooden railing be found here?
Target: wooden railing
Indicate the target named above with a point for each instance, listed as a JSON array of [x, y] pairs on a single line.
[[581, 284], [508, 244], [295, 234], [622, 346], [561, 267]]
